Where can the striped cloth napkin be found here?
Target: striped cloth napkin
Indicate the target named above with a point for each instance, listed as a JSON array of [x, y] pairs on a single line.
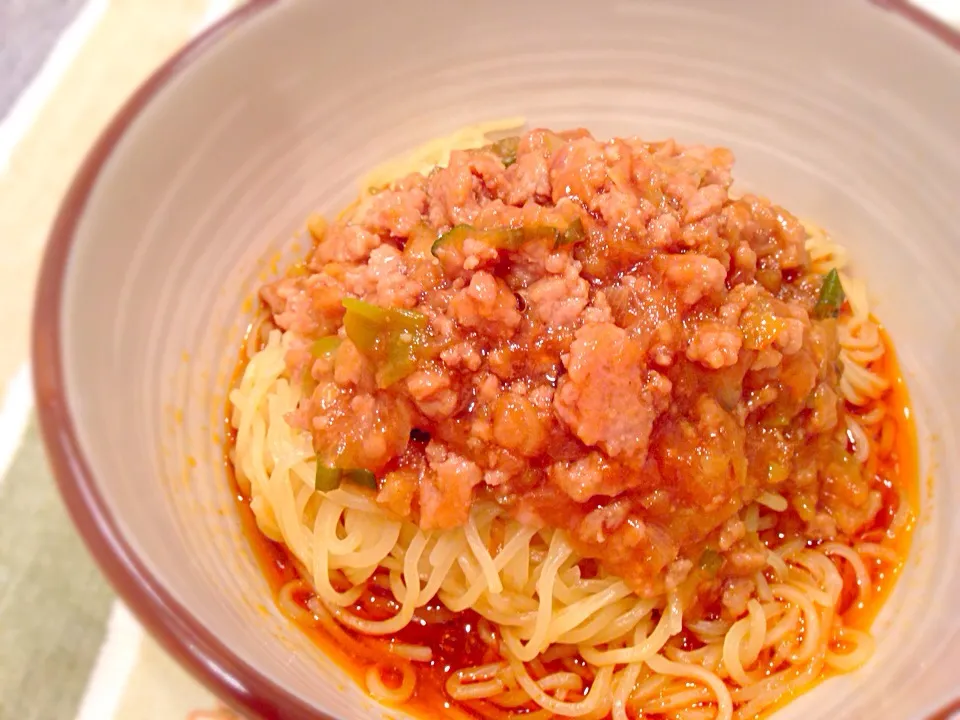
[[68, 648]]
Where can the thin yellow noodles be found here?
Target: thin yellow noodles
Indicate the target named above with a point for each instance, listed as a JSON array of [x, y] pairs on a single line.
[[649, 689], [787, 624], [756, 634], [860, 343], [639, 615], [612, 630], [763, 587], [872, 550], [487, 564], [852, 556], [731, 652], [863, 648], [766, 692], [860, 441], [823, 572], [477, 683], [290, 607], [663, 666], [743, 643], [382, 692], [413, 653], [596, 699], [811, 620], [708, 657], [529, 585], [668, 626], [625, 684], [774, 501]]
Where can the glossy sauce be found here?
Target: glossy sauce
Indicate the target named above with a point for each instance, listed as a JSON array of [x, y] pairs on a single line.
[[898, 475], [454, 639]]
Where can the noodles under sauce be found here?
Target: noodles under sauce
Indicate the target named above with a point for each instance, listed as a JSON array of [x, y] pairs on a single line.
[[899, 471], [456, 639]]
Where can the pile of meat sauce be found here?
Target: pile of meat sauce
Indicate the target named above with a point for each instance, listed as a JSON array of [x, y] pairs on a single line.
[[594, 335]]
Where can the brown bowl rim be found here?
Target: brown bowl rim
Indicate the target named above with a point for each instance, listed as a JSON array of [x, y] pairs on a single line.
[[193, 645]]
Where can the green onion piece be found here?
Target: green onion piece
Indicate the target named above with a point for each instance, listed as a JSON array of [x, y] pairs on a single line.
[[572, 235], [363, 323], [500, 238], [779, 419], [506, 150], [361, 478], [831, 297], [391, 338], [710, 561], [506, 238], [329, 478], [411, 319], [325, 346], [728, 395]]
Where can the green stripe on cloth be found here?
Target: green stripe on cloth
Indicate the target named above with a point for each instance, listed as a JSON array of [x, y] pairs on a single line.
[[53, 601]]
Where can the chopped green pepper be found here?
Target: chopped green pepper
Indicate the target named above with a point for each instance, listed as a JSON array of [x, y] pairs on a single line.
[[728, 395], [710, 561], [831, 297], [777, 419], [500, 238], [506, 150], [389, 337], [325, 346], [329, 478], [506, 238], [572, 235]]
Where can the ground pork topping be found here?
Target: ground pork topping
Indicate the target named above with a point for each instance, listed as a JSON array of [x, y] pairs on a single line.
[[594, 334]]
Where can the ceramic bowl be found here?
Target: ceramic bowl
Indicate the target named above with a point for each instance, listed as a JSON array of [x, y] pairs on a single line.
[[846, 112]]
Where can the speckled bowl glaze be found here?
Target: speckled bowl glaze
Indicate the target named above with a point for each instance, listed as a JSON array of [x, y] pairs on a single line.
[[845, 112]]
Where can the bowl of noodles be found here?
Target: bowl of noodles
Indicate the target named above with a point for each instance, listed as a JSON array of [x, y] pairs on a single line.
[[594, 362]]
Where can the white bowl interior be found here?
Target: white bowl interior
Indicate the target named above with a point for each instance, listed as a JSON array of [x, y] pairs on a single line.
[[281, 118]]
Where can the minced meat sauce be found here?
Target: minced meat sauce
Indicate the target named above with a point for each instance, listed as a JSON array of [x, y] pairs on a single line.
[[595, 335]]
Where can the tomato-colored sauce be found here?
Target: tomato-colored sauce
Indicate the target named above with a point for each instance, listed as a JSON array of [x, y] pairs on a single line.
[[897, 474], [454, 639], [454, 643]]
